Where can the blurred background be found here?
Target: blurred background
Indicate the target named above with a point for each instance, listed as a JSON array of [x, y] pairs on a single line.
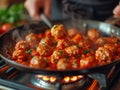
[[13, 13], [12, 10], [6, 3]]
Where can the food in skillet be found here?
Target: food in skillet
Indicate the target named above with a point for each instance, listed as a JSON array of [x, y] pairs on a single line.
[[62, 49]]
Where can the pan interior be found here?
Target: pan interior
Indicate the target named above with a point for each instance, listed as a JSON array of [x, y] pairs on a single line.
[[10, 38]]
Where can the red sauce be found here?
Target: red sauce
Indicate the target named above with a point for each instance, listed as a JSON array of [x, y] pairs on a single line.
[[62, 49]]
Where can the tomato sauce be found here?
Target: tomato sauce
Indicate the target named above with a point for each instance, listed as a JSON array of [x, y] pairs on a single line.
[[62, 49]]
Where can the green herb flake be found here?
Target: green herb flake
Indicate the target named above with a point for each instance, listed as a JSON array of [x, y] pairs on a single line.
[[75, 63], [85, 51], [60, 52], [29, 51]]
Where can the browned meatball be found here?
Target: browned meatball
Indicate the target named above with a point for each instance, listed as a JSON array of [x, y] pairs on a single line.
[[87, 61], [46, 46], [103, 55], [48, 41], [44, 50], [77, 38], [93, 34], [57, 54], [62, 43], [85, 43], [22, 45], [74, 50], [37, 62], [59, 31], [63, 64], [73, 31], [111, 47], [100, 41], [32, 39], [104, 40], [19, 54]]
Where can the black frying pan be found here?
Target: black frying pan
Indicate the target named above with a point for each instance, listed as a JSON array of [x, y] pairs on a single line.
[[10, 38]]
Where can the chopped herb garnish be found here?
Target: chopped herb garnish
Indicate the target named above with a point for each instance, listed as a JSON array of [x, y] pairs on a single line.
[[29, 51], [60, 52], [85, 51], [74, 63]]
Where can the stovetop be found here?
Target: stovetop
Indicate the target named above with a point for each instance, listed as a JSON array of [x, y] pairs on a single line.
[[13, 79]]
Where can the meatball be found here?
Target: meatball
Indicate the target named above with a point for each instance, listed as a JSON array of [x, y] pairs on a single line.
[[62, 43], [93, 34], [77, 38], [46, 46], [32, 39], [57, 54], [44, 50], [74, 50], [87, 61], [59, 31], [73, 31], [111, 47], [48, 41], [37, 62], [63, 64], [103, 55], [100, 41], [85, 43], [104, 40], [19, 54], [22, 45]]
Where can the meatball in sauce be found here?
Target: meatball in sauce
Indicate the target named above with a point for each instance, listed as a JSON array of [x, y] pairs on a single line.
[[59, 48]]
